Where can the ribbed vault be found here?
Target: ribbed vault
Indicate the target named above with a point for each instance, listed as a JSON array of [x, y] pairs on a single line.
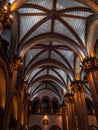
[[52, 34]]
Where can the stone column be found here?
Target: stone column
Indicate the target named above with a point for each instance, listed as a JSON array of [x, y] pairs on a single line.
[[71, 111], [64, 119], [21, 101], [1, 27], [15, 66], [80, 105], [26, 121], [90, 66]]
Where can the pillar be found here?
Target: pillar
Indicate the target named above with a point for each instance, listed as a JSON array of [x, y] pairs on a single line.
[[71, 111], [80, 105], [1, 26], [64, 119], [26, 121], [21, 101], [90, 66], [15, 67]]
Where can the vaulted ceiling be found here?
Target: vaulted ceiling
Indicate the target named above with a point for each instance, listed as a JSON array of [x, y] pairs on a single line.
[[50, 36]]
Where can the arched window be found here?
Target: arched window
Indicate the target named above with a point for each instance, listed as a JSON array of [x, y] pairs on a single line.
[[36, 127], [45, 104], [36, 105], [55, 105], [55, 128]]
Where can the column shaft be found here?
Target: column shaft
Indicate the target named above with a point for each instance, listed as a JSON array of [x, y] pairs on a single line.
[[78, 109], [26, 120], [64, 120], [20, 110], [90, 66], [73, 115], [9, 102], [80, 105], [70, 111], [92, 79], [15, 66]]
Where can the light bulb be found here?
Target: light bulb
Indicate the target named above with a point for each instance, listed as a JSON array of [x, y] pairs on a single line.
[[5, 8]]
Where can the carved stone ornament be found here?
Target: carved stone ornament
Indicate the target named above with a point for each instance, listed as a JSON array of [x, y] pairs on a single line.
[[69, 98], [77, 86], [17, 63], [90, 64]]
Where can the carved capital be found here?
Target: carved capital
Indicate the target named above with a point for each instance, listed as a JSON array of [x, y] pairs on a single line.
[[69, 98], [17, 63], [90, 64], [77, 86], [6, 17]]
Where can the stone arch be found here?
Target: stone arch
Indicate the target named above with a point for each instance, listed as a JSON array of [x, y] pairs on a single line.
[[55, 127], [23, 49], [44, 78], [50, 63], [35, 127]]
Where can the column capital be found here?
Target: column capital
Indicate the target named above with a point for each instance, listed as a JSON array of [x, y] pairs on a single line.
[[90, 64], [68, 98], [17, 63], [77, 85], [6, 17]]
